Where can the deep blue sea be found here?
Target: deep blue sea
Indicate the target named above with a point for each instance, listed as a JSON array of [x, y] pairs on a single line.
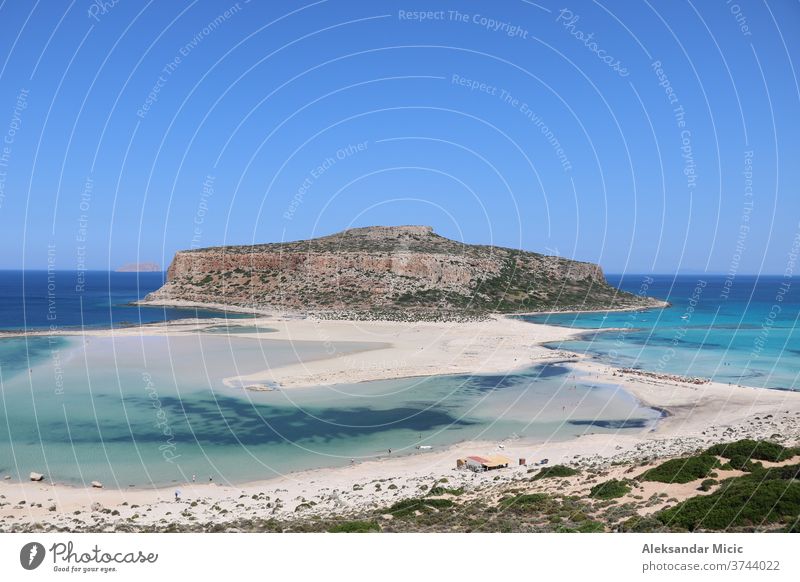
[[743, 331], [37, 300]]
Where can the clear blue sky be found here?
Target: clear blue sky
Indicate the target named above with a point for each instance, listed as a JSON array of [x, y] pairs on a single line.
[[513, 123]]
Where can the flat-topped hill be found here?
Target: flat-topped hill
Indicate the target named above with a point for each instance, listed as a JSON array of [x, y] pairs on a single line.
[[402, 272]]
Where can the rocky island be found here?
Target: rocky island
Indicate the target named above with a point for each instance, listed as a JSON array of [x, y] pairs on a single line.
[[388, 272]]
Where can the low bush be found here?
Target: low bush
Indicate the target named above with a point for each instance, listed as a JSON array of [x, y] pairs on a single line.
[[408, 507], [555, 471], [438, 503], [612, 489], [752, 449], [526, 502], [707, 484], [681, 470], [585, 527], [438, 490], [641, 524], [762, 498], [355, 527]]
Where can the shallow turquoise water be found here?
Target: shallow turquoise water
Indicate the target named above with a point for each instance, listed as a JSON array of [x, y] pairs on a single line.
[[744, 333], [153, 410]]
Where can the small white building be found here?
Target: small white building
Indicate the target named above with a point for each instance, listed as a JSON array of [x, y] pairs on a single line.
[[478, 464]]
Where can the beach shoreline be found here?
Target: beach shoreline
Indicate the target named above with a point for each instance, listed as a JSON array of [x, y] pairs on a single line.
[[693, 414]]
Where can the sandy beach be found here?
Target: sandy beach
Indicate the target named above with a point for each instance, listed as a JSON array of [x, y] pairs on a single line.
[[695, 416], [405, 350]]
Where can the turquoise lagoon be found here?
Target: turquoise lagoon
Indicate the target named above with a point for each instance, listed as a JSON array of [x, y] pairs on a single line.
[[151, 410]]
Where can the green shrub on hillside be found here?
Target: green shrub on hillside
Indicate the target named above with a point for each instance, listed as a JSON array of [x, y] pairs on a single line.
[[641, 524], [707, 484], [742, 453], [439, 490], [555, 471], [761, 450], [407, 507], [587, 526], [610, 489], [439, 503], [355, 527], [526, 502], [762, 498], [681, 470]]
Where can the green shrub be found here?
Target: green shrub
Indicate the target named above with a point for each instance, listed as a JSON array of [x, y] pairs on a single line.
[[750, 500], [785, 472], [745, 464], [437, 490], [591, 527], [585, 527], [752, 449], [407, 507], [681, 470], [355, 527], [555, 471], [707, 484], [793, 527], [610, 489], [526, 502], [438, 503], [641, 524]]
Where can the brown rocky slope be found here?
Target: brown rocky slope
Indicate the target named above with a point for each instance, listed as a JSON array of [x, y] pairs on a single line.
[[404, 272]]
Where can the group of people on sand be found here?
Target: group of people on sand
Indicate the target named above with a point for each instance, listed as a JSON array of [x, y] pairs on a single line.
[[194, 479]]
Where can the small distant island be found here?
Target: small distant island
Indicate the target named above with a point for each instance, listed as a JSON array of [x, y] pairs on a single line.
[[389, 272], [139, 268]]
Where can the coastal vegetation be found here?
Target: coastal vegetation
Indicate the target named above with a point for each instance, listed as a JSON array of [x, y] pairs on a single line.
[[357, 526], [439, 490], [555, 471], [742, 453], [682, 470], [763, 498], [612, 489]]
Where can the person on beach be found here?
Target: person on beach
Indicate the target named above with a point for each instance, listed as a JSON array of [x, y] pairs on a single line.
[[177, 495]]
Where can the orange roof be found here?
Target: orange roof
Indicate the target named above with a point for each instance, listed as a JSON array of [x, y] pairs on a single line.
[[498, 460], [481, 460]]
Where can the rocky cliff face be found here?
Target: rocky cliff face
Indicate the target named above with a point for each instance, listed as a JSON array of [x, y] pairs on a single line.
[[407, 271]]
